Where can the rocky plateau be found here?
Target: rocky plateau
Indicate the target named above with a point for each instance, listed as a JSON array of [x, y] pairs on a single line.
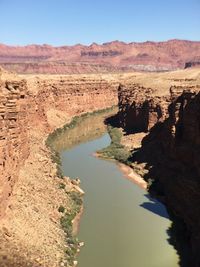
[[114, 56]]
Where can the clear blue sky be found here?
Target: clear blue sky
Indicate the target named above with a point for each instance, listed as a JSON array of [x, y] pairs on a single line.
[[60, 22]]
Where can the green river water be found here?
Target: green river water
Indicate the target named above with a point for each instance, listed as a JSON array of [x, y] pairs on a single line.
[[121, 225]]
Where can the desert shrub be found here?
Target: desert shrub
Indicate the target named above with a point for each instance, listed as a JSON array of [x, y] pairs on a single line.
[[76, 198], [61, 209], [115, 150], [62, 186]]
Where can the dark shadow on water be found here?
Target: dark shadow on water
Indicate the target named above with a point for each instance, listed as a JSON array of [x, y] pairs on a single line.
[[179, 239], [155, 207], [176, 232]]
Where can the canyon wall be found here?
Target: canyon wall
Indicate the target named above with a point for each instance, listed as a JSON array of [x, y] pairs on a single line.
[[44, 104], [170, 152], [14, 147], [57, 98], [139, 109]]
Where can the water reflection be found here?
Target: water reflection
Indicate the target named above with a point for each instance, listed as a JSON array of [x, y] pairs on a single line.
[[88, 129]]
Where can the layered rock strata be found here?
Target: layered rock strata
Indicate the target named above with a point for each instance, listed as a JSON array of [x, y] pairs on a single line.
[[30, 231], [69, 96], [112, 56], [139, 109], [58, 67], [21, 108], [14, 147]]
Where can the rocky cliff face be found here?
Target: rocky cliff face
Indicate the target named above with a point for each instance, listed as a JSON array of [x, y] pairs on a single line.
[[70, 96], [51, 102], [139, 109], [113, 56], [29, 185], [177, 178], [14, 147], [171, 152]]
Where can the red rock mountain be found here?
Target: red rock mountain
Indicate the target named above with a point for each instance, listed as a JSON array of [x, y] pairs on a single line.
[[108, 57]]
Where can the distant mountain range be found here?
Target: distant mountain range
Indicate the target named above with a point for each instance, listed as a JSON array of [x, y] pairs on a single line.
[[109, 57]]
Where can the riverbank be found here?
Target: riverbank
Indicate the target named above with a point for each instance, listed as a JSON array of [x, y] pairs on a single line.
[[128, 172], [70, 219], [118, 151], [132, 175]]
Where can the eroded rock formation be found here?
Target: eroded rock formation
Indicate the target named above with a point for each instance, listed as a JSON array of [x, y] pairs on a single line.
[[22, 108], [139, 109], [14, 148], [70, 96], [113, 56], [170, 151], [30, 231]]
